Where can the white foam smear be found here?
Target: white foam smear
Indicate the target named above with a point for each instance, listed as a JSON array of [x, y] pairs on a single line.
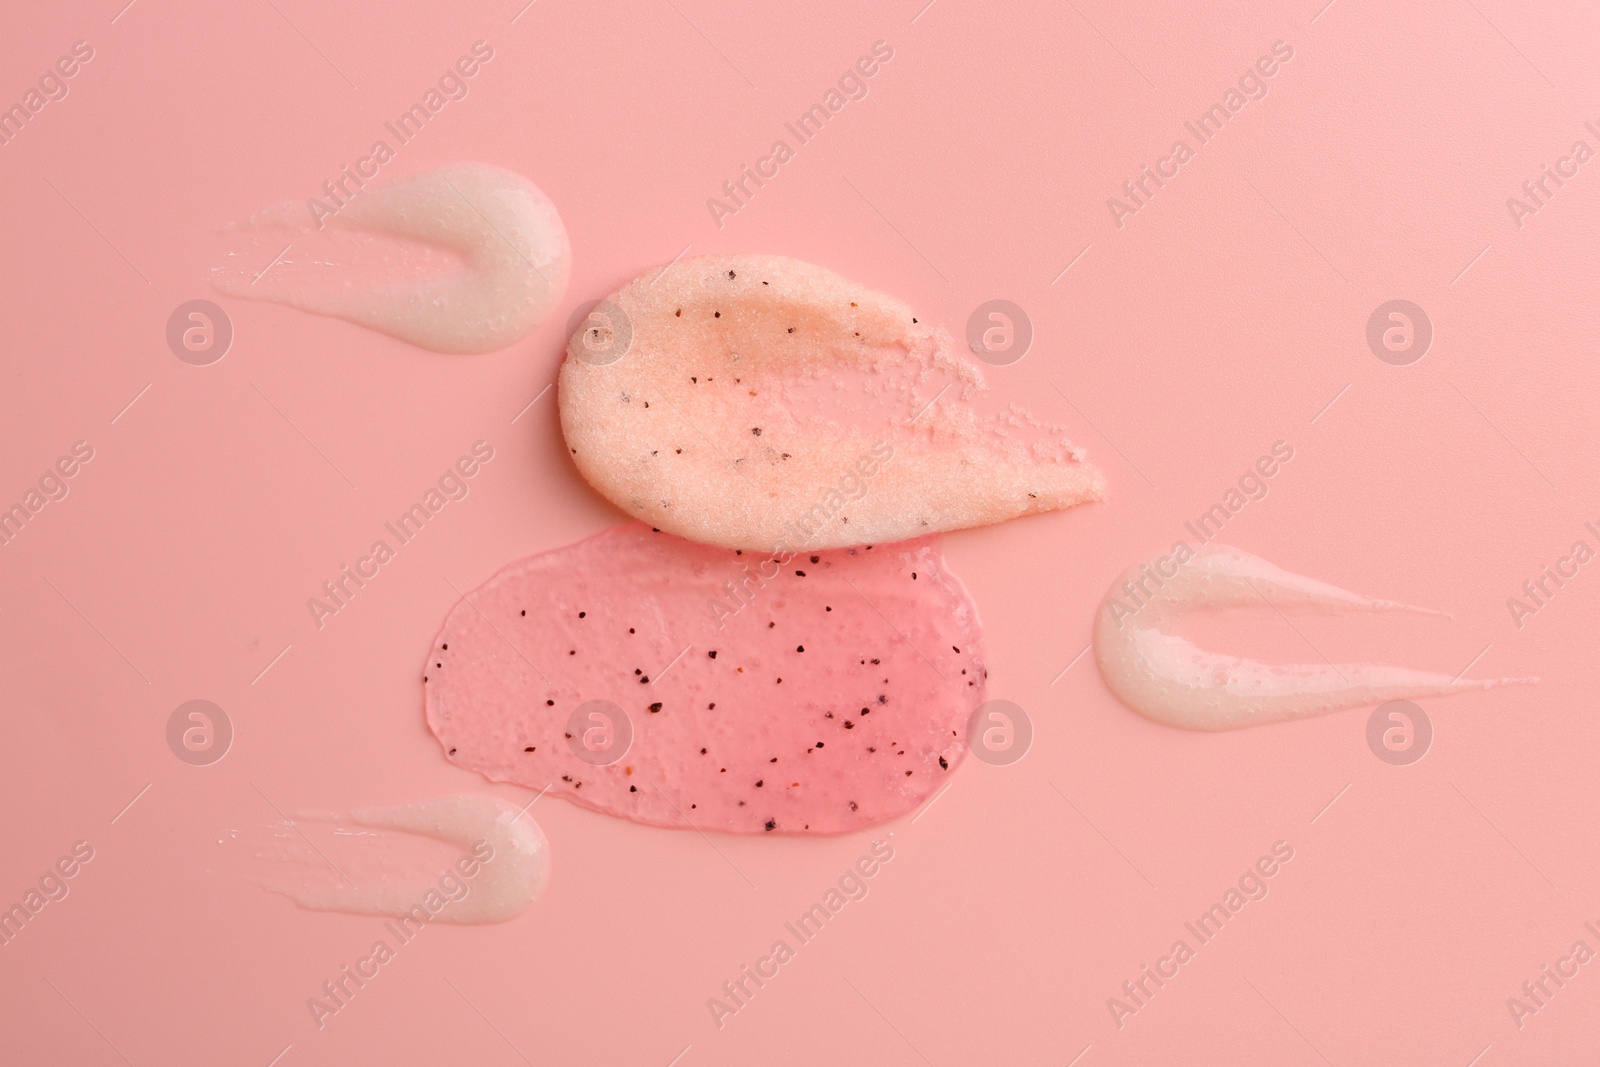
[[515, 255], [505, 867], [1173, 681]]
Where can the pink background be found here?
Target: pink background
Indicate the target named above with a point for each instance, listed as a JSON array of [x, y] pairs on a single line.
[[1221, 318]]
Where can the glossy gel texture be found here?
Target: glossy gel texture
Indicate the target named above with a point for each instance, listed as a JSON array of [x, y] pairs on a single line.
[[813, 693]]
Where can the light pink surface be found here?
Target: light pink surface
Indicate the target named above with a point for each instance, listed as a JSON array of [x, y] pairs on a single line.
[[1226, 315]]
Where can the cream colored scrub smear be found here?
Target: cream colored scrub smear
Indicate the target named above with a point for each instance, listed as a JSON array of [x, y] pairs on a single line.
[[467, 258], [758, 402], [1170, 679]]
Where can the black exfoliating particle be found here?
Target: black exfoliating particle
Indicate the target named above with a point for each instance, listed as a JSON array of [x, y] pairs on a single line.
[[654, 708], [772, 824], [944, 764]]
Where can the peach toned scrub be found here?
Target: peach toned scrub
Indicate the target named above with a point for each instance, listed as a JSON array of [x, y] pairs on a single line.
[[754, 401]]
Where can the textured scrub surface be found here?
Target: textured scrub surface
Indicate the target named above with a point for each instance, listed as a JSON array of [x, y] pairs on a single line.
[[816, 692], [763, 403]]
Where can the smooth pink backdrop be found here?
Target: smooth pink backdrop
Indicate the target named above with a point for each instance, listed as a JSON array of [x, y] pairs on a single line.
[[1223, 317]]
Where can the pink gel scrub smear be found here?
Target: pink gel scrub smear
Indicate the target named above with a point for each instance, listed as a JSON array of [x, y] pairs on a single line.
[[877, 649], [1173, 681]]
